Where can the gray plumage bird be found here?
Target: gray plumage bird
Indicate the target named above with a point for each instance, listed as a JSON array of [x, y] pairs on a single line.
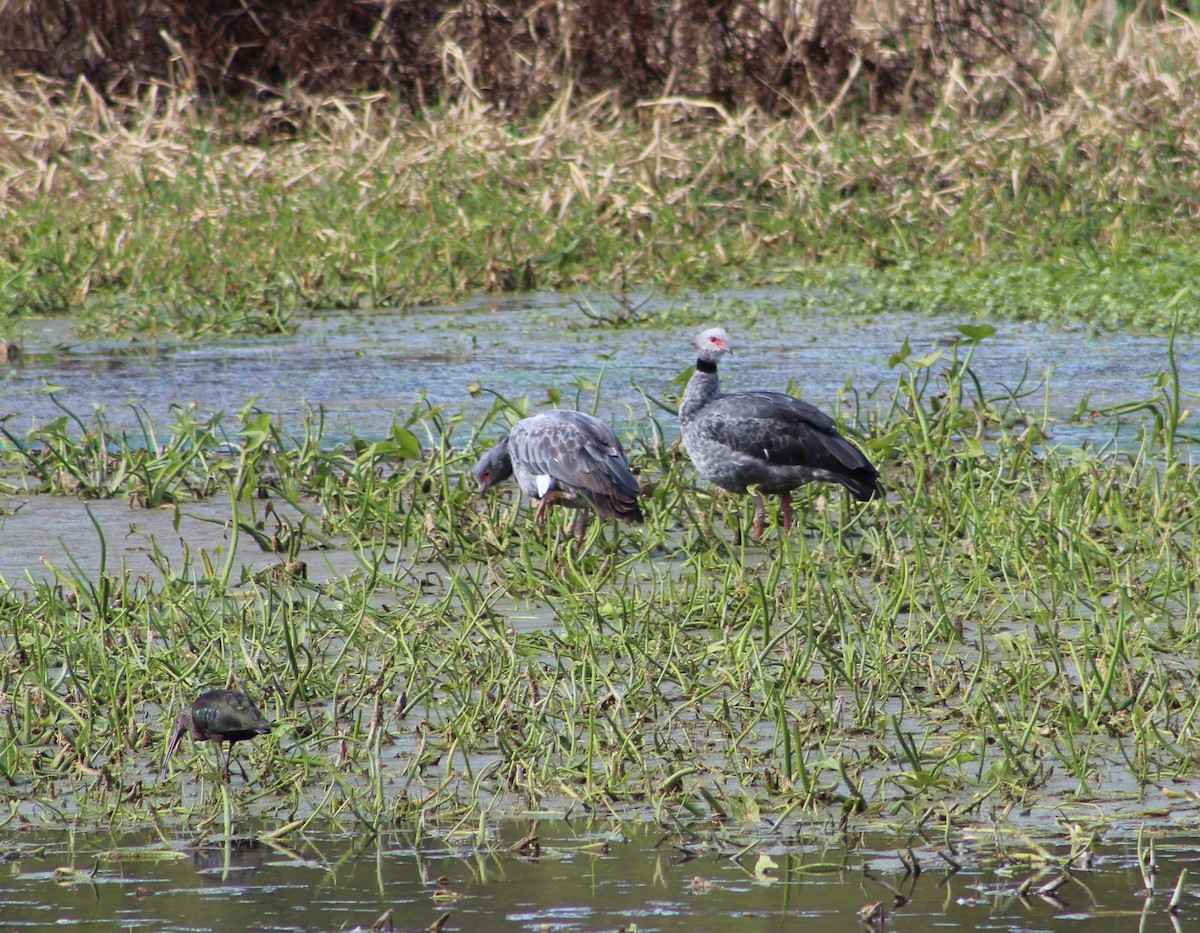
[[219, 716], [768, 440], [565, 458]]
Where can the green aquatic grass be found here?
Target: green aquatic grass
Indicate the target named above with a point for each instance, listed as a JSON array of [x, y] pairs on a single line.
[[269, 256], [1136, 292], [1010, 627]]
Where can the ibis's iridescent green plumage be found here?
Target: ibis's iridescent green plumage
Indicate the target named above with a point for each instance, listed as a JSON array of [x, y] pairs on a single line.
[[219, 716]]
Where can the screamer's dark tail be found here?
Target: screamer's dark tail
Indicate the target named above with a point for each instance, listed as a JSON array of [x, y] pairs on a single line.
[[863, 484]]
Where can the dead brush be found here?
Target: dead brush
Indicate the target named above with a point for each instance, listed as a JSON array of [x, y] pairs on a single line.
[[523, 55]]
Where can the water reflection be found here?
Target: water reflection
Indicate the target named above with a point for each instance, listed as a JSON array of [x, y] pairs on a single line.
[[215, 863], [614, 876]]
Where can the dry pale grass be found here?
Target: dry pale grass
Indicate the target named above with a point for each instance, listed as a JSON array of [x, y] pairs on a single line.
[[1132, 97], [1121, 132]]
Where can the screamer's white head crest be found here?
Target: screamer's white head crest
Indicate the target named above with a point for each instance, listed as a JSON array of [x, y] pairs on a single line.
[[712, 344]]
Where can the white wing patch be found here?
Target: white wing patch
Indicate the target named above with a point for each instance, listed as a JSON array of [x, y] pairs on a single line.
[[544, 482]]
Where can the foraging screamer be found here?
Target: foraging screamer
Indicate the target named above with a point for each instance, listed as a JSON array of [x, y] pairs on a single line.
[[565, 458]]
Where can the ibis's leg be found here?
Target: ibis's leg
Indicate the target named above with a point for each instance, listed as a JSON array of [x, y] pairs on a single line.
[[785, 502]]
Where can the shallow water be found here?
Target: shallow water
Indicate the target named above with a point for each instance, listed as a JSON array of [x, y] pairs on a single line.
[[363, 368], [48, 536], [585, 878]]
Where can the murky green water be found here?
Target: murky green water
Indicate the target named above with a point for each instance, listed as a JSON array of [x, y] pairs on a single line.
[[44, 533], [584, 878]]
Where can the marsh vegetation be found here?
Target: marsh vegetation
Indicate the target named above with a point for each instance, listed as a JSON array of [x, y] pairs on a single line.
[[1048, 176], [1004, 640], [1007, 624]]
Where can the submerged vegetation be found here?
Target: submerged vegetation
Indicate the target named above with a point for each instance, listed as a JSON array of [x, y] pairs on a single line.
[[1007, 629]]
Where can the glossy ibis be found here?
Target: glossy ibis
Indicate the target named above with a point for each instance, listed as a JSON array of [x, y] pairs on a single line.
[[219, 716]]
